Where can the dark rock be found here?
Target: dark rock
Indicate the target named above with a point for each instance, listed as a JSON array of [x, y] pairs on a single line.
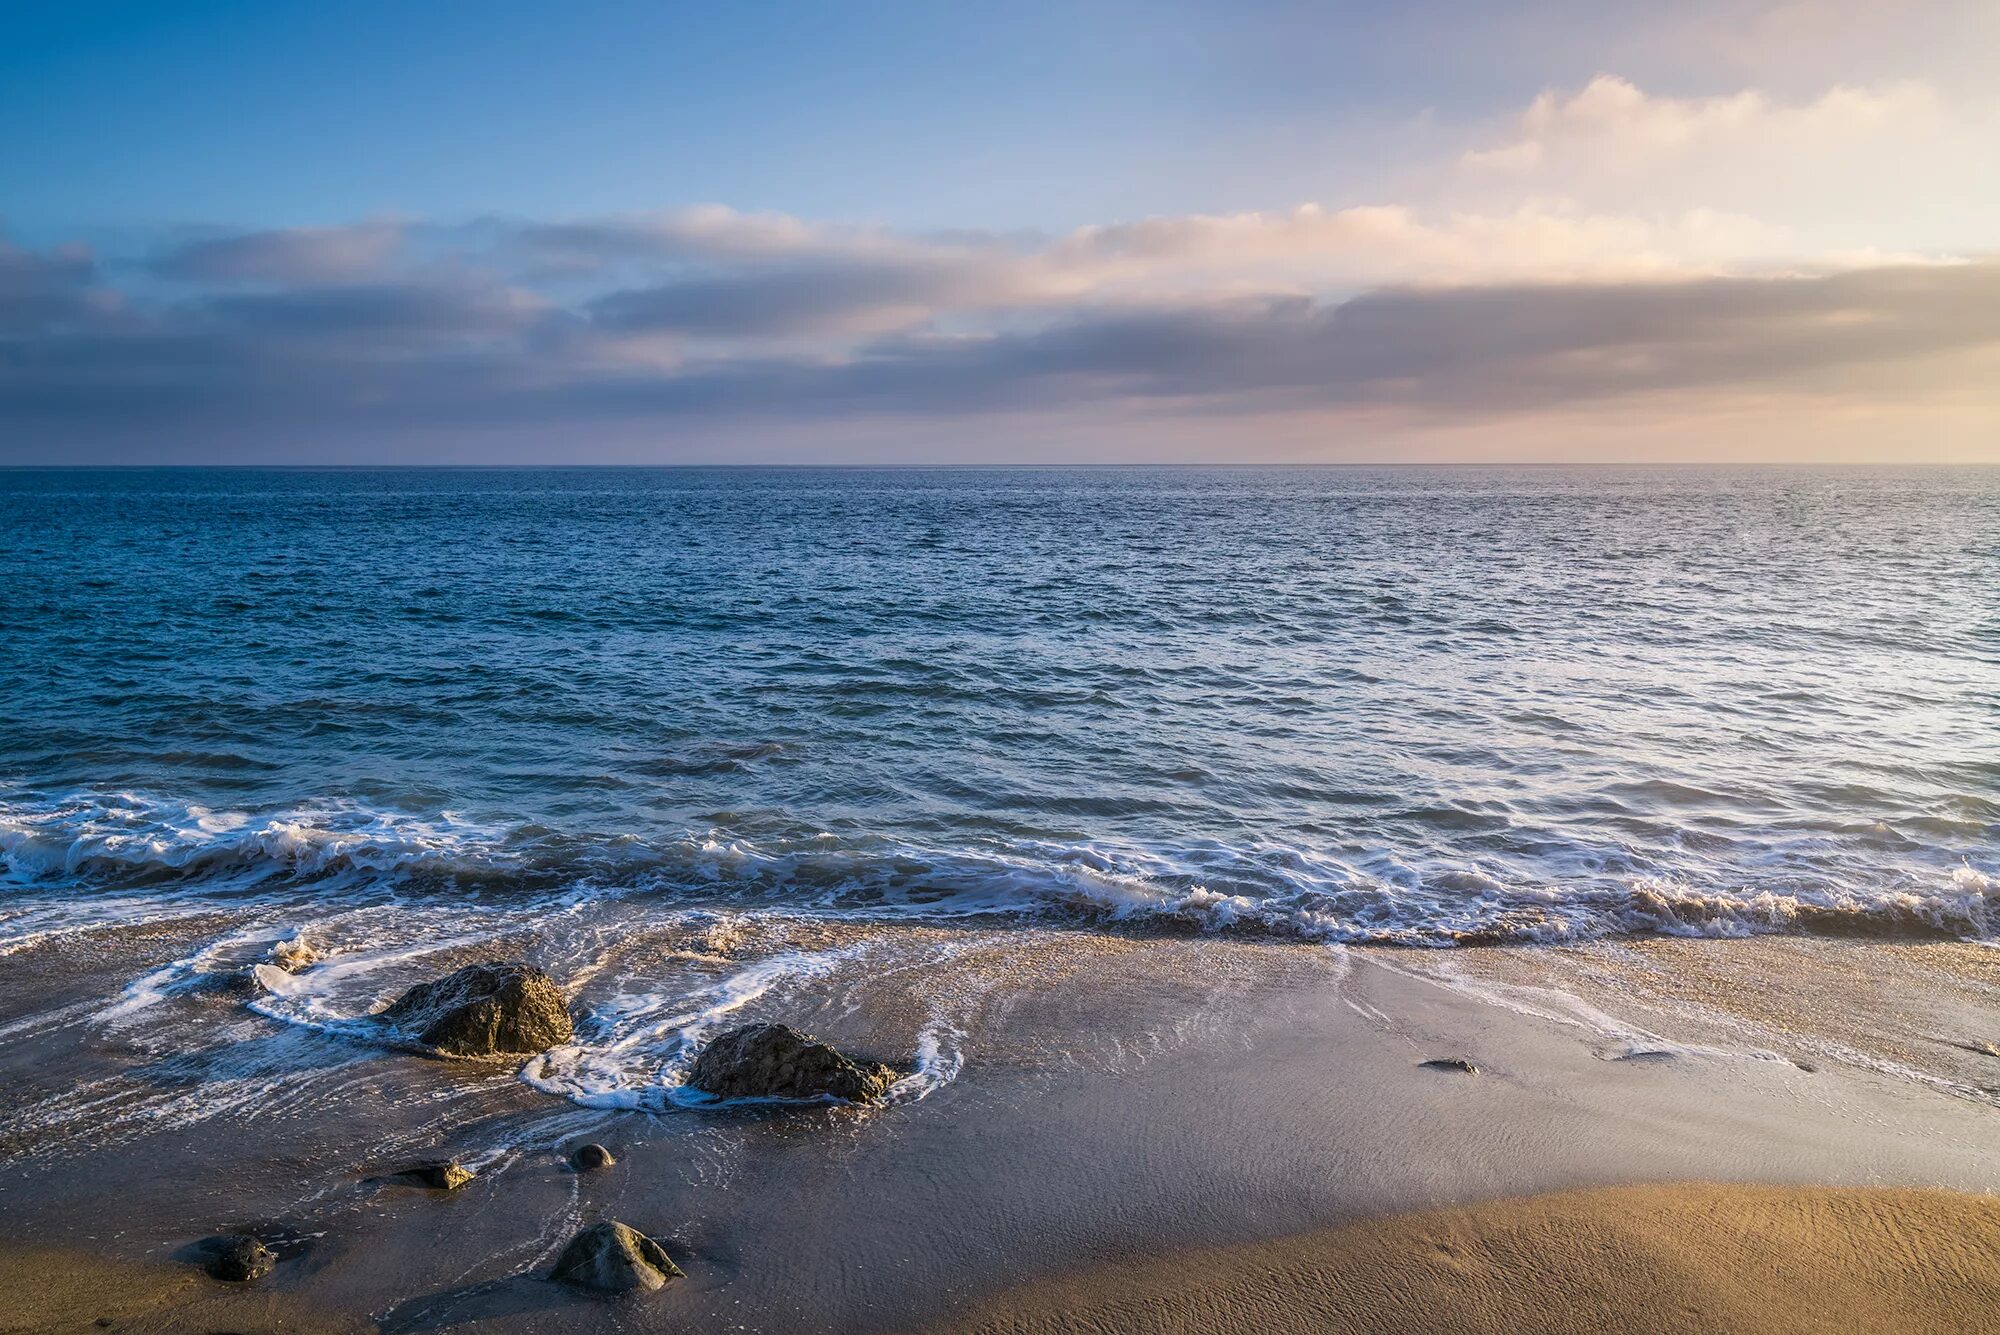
[[614, 1258], [776, 1061], [483, 1010], [437, 1174], [241, 982], [588, 1157], [239, 1259], [1459, 1064]]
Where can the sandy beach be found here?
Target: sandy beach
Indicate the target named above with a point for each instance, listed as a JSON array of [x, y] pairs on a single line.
[[1691, 1258], [1151, 1132], [1081, 668]]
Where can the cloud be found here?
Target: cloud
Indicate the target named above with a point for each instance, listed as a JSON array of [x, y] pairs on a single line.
[[1447, 350], [1611, 125], [705, 232], [840, 282], [1312, 248], [1606, 246], [1854, 166], [469, 359], [373, 319], [288, 256], [41, 293], [826, 297]]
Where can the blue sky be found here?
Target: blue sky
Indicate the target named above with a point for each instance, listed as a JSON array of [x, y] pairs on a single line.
[[944, 115], [851, 210], [291, 113], [1031, 114]]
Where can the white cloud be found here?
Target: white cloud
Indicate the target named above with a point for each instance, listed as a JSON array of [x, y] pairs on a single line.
[[1611, 125], [1893, 166], [786, 279], [1315, 248]]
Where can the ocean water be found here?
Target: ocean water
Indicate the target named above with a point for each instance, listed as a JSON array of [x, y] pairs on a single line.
[[409, 713]]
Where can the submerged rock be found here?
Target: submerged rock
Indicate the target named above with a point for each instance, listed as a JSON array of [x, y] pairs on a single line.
[[236, 982], [614, 1258], [294, 955], [437, 1174], [239, 1259], [585, 1158], [1459, 1064], [776, 1061], [485, 1010]]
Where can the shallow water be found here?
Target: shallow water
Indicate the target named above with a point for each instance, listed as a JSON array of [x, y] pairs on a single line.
[[626, 721]]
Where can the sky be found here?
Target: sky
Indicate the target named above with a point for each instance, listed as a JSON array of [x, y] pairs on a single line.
[[622, 232]]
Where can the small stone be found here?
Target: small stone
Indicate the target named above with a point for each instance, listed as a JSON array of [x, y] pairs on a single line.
[[240, 1259], [1459, 1064], [437, 1174], [611, 1257], [587, 1158]]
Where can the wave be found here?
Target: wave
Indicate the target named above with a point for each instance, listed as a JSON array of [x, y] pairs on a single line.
[[140, 838], [104, 859]]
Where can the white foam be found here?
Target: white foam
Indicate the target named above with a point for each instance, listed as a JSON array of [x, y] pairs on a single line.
[[134, 834], [642, 1062], [186, 855], [939, 1059]]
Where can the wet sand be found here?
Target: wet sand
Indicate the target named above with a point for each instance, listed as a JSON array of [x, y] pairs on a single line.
[[69, 1291], [1926, 1011], [1121, 1097], [1690, 1258]]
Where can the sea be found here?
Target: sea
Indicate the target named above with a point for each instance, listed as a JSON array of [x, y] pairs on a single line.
[[405, 716]]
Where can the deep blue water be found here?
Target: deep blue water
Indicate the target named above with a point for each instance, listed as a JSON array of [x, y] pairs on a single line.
[[1402, 705]]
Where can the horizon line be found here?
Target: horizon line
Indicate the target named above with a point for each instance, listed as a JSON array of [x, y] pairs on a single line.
[[1737, 464]]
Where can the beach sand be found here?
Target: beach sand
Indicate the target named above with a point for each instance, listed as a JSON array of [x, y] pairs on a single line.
[[1686, 1257], [1175, 1129], [1690, 1257], [44, 1289]]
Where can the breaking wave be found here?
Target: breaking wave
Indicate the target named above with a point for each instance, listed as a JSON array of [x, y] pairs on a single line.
[[83, 861]]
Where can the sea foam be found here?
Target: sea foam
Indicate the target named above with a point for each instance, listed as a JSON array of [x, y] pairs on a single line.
[[84, 861]]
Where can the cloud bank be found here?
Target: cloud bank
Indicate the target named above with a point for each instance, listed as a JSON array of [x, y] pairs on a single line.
[[1603, 270]]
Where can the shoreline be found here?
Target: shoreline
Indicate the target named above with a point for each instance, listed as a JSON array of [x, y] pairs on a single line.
[[1166, 1097]]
